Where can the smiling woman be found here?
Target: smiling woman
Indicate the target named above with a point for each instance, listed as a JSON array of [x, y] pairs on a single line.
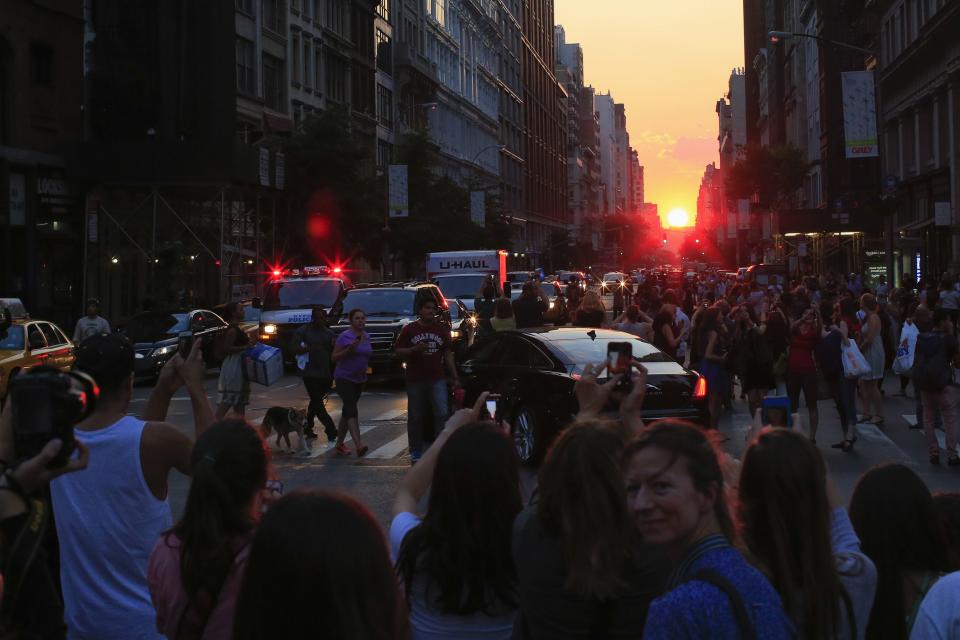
[[678, 218]]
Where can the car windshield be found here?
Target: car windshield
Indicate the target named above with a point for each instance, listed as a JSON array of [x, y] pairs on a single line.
[[380, 302], [586, 351], [301, 294], [548, 290], [251, 314], [153, 326], [460, 286], [520, 277], [13, 340]]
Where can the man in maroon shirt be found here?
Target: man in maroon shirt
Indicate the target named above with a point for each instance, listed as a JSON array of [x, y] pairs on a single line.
[[425, 346]]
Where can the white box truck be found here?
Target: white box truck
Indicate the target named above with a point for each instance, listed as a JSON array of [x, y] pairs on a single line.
[[460, 274]]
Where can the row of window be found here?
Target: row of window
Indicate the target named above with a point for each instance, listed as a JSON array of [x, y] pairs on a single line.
[[335, 13], [903, 23]]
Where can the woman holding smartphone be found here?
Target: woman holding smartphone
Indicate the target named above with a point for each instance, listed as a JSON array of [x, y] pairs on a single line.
[[352, 353]]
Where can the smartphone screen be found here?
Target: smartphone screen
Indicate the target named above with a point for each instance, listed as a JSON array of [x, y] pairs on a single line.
[[492, 401], [619, 356]]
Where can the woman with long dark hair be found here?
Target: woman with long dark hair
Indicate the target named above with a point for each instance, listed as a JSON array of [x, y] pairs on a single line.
[[755, 363], [676, 495], [894, 515], [454, 561], [503, 318], [830, 363], [351, 352], [806, 545], [805, 333], [871, 344], [196, 568], [583, 570], [319, 567]]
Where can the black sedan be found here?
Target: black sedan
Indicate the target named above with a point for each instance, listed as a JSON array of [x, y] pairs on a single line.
[[155, 336], [534, 371]]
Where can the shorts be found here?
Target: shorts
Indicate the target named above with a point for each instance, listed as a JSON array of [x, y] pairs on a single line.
[[349, 393]]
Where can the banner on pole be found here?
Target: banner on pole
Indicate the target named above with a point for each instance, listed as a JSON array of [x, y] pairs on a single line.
[[860, 114], [398, 191], [478, 208]]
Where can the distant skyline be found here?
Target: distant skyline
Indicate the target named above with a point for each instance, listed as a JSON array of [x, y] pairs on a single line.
[[669, 63]]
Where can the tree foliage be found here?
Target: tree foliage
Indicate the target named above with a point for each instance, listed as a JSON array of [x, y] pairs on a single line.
[[774, 174]]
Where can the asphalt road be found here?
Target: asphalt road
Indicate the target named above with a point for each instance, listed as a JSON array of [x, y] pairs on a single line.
[[373, 479]]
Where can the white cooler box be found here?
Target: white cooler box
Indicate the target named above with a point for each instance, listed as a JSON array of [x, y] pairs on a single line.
[[263, 364]]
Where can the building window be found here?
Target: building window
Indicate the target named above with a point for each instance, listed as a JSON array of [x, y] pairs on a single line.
[[384, 105], [245, 6], [383, 10], [317, 67], [307, 71], [336, 78], [384, 153], [273, 83], [336, 17], [41, 64], [295, 58], [273, 15], [245, 77], [384, 52]]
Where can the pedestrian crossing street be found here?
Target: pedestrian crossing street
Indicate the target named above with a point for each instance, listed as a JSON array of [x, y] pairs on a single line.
[[385, 434]]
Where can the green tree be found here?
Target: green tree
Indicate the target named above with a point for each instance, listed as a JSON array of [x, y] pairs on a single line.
[[338, 203], [773, 174]]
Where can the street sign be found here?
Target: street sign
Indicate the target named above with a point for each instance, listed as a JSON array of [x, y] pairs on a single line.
[[397, 187]]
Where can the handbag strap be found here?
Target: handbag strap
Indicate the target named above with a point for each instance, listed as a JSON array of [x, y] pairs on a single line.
[[738, 607]]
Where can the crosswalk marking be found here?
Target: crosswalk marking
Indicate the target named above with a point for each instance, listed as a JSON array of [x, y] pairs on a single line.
[[390, 450], [911, 419]]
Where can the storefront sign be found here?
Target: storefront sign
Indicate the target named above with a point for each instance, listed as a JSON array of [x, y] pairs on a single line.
[[941, 214], [18, 200]]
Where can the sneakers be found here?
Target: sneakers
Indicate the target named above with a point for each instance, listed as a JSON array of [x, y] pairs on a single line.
[[362, 450], [343, 450]]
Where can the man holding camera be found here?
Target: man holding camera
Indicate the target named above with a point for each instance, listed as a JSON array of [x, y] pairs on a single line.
[[110, 515]]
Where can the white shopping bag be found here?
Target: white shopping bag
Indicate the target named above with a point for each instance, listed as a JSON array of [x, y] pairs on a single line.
[[903, 362], [854, 364]]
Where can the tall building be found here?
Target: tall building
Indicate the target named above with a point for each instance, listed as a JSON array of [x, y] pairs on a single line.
[[545, 125], [583, 184], [606, 113], [624, 171], [919, 77], [636, 181], [732, 139], [41, 212], [512, 138]]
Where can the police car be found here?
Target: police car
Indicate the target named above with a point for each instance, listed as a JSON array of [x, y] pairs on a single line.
[[289, 298]]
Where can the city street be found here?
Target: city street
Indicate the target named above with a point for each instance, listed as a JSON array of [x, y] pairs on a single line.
[[373, 479]]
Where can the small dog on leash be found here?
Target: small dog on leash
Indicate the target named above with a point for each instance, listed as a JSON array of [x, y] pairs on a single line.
[[285, 420]]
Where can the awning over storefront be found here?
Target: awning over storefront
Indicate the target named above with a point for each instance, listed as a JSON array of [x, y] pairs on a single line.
[[812, 221]]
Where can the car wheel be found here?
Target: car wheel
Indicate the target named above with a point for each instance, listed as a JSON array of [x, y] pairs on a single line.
[[526, 436]]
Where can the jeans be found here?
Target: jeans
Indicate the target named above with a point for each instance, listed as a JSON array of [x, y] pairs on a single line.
[[947, 402], [423, 398], [317, 389], [844, 391]]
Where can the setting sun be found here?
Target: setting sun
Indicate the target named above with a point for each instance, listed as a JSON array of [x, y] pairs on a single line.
[[678, 218]]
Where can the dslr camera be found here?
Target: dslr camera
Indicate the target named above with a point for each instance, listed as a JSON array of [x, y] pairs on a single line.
[[45, 404]]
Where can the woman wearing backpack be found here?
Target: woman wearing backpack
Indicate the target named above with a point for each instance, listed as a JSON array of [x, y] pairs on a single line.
[[934, 375]]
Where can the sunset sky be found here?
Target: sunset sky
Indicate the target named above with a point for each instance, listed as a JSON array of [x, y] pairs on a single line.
[[668, 61]]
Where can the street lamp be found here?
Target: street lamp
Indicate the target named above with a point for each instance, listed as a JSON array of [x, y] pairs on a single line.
[[777, 36], [501, 147]]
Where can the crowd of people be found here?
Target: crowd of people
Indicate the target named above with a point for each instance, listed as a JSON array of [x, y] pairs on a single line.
[[633, 530]]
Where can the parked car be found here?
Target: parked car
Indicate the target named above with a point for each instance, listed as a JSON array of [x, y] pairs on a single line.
[[30, 343], [389, 306], [534, 371], [155, 337]]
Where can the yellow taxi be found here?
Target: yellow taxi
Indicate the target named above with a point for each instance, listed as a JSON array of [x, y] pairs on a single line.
[[30, 343]]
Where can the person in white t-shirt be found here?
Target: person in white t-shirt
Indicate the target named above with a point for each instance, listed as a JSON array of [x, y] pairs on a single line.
[[458, 575], [91, 324], [938, 617]]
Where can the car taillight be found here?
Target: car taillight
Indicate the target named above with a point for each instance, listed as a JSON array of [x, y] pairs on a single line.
[[700, 389]]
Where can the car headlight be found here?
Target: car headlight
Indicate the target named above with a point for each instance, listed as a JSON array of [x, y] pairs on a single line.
[[162, 351], [552, 305], [270, 329], [455, 333]]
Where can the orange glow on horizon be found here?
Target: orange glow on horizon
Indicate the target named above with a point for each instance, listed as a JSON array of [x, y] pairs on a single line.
[[668, 63]]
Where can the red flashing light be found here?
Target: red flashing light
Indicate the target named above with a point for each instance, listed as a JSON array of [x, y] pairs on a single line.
[[218, 263], [277, 273], [338, 269], [700, 390]]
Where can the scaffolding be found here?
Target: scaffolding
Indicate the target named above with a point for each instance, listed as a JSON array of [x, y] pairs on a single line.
[[167, 247]]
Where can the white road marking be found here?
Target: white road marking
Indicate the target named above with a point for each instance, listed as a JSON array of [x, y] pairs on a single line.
[[911, 419], [393, 414], [390, 450]]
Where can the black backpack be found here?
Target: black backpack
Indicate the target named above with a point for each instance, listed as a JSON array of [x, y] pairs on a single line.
[[931, 369]]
